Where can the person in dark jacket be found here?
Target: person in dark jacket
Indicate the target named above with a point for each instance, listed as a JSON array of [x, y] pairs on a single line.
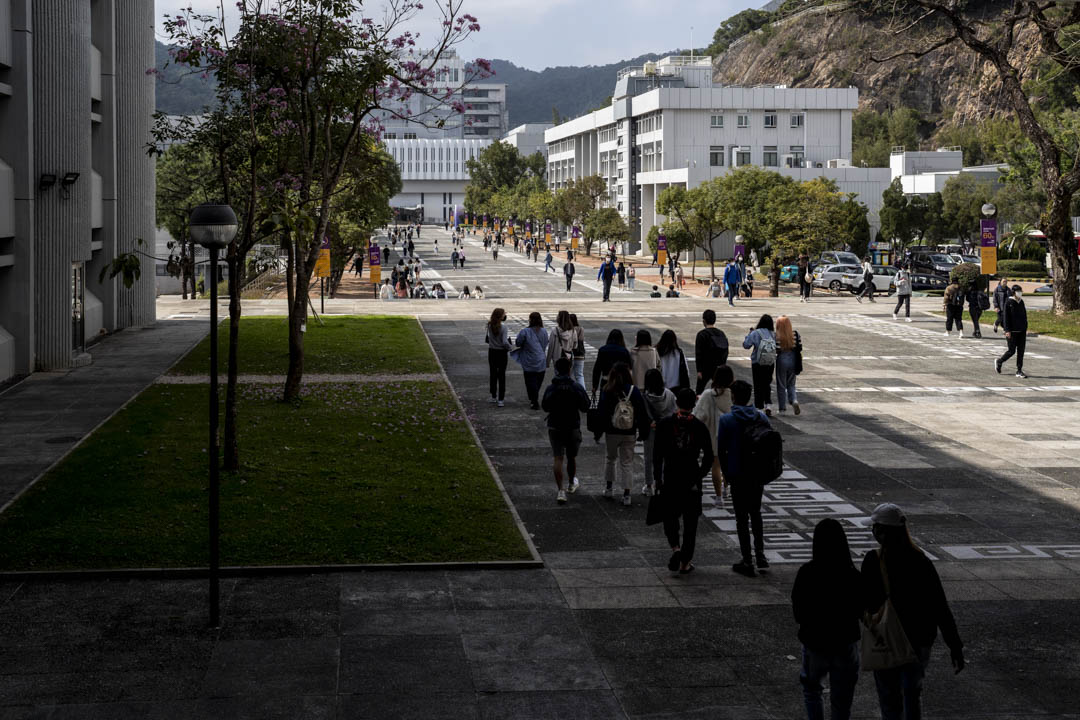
[[1001, 293], [607, 356], [682, 456], [827, 599], [563, 401], [621, 440], [973, 296], [745, 489], [1014, 320], [710, 350], [920, 604], [568, 272], [606, 274]]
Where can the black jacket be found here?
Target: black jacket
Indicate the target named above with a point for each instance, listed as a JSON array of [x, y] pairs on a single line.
[[680, 469], [916, 593], [606, 357], [710, 351], [828, 602], [642, 421], [1015, 317], [563, 400], [1001, 294]]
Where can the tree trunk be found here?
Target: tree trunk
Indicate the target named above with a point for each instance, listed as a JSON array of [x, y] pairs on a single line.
[[231, 460], [774, 280], [297, 321], [1057, 227]]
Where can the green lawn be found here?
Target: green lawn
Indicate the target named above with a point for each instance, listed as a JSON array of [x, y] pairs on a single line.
[[366, 344], [1042, 322]]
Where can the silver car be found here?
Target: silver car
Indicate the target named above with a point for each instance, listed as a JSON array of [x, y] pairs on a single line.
[[832, 276], [884, 279]]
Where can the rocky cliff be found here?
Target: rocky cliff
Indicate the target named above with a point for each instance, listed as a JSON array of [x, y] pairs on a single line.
[[832, 46]]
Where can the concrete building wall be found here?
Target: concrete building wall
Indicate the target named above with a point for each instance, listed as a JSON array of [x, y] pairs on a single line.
[[528, 138]]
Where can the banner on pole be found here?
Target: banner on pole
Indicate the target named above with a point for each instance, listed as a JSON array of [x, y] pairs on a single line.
[[575, 235], [661, 249], [547, 233], [322, 263]]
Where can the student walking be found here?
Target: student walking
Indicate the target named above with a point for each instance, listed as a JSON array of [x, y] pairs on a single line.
[[682, 456], [762, 360], [746, 488], [621, 276], [976, 302], [562, 340], [563, 402], [643, 358], [454, 257], [625, 420], [568, 271], [953, 303], [867, 288], [495, 253], [1001, 293], [547, 261], [805, 278], [660, 403], [900, 572], [497, 337], [715, 401], [672, 361], [579, 352], [710, 350], [903, 293], [827, 600], [461, 257], [611, 353], [788, 364], [732, 280], [531, 343], [1014, 321], [631, 274], [606, 274]]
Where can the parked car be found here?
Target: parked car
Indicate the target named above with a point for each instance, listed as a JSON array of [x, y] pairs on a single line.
[[974, 259], [928, 282], [838, 257], [935, 263], [831, 276], [789, 273], [884, 279]]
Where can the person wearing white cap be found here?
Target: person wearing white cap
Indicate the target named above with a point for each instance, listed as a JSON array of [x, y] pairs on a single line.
[[901, 572]]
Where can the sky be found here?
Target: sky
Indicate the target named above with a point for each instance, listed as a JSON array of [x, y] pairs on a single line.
[[541, 33]]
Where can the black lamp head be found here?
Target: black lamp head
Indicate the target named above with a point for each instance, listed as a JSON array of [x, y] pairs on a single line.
[[46, 181], [69, 178], [212, 226]]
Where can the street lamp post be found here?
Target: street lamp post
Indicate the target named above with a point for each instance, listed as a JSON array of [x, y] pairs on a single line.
[[213, 227]]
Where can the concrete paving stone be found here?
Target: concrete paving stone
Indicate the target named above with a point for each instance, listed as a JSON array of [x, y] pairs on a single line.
[[108, 653], [359, 649], [15, 631], [585, 559], [606, 577], [387, 678], [364, 621], [669, 672], [972, 590], [420, 599], [552, 705], [173, 710], [689, 633], [98, 686], [465, 580], [269, 595], [295, 624], [707, 703], [419, 703], [723, 595], [269, 707], [510, 599], [1020, 569], [526, 675], [557, 642], [509, 620], [291, 666], [579, 525], [588, 598], [367, 581], [1040, 588]]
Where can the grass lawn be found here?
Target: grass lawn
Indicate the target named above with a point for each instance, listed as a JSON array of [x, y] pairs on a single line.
[[366, 344], [1042, 322]]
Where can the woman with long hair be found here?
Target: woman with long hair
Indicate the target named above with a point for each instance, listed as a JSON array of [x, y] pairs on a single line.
[[578, 372], [788, 364], [465, 294], [715, 401], [672, 362], [531, 343], [643, 358], [660, 402], [626, 420], [562, 340], [497, 338], [762, 341], [612, 352], [827, 601], [900, 572]]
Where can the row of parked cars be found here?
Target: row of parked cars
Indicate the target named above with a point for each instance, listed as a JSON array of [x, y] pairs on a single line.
[[838, 270]]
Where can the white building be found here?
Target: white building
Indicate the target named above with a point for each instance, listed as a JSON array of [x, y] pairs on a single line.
[[422, 117], [926, 172], [433, 174], [529, 138], [668, 124]]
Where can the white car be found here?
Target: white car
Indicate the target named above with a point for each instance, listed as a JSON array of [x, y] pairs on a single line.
[[884, 279], [831, 276]]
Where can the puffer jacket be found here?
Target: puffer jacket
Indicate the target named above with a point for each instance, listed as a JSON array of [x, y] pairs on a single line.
[[643, 359]]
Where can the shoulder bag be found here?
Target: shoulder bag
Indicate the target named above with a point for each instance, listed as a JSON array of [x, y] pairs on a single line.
[[884, 644]]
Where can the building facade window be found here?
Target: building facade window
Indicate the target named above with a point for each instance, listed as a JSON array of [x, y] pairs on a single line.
[[716, 156], [797, 155], [389, 136], [744, 121], [619, 206], [770, 118], [620, 157], [770, 158], [742, 156], [716, 121], [620, 172], [409, 136], [797, 120]]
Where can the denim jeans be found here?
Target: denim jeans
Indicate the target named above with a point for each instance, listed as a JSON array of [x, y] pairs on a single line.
[[843, 671], [785, 380], [746, 501], [630, 283], [579, 372], [900, 689]]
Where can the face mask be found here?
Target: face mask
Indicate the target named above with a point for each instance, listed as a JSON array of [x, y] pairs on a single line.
[[1018, 295]]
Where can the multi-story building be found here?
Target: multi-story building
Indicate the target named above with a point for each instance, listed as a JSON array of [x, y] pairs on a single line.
[[668, 124], [433, 175], [529, 138], [925, 172], [76, 183], [427, 118]]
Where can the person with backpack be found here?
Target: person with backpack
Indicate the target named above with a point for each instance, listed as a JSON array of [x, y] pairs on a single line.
[[643, 358], [568, 271], [867, 288], [611, 353], [750, 456], [827, 600], [715, 401], [902, 574], [1001, 293], [625, 420], [620, 275], [562, 340], [497, 338], [1014, 321], [660, 403], [732, 280], [531, 353], [461, 257], [710, 350], [903, 293], [606, 274], [547, 261], [681, 458], [563, 402], [579, 352], [631, 274], [762, 341], [454, 257], [953, 302], [806, 278], [672, 361], [977, 302], [788, 364]]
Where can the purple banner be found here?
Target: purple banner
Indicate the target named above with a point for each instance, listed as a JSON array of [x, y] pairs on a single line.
[[374, 255], [988, 233]]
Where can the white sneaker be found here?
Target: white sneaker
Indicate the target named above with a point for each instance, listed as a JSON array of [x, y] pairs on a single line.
[[500, 404], [574, 485], [607, 492], [493, 400], [626, 500], [561, 498], [782, 411], [907, 319], [947, 333], [894, 316], [960, 333], [646, 490]]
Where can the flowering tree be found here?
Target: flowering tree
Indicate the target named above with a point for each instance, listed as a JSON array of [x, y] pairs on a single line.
[[299, 89]]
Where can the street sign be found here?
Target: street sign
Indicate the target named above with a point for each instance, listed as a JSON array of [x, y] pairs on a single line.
[[988, 256], [375, 263], [661, 249], [988, 233], [988, 241], [575, 235], [547, 233], [322, 264]]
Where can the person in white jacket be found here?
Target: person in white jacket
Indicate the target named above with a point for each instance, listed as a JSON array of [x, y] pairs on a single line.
[[563, 340], [715, 401]]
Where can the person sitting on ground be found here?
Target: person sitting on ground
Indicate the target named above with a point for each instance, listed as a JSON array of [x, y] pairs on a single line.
[[564, 400], [465, 293], [478, 293], [419, 291], [672, 292], [655, 292], [403, 287], [438, 291]]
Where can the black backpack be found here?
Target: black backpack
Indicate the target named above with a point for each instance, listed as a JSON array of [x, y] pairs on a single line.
[[984, 301], [763, 452]]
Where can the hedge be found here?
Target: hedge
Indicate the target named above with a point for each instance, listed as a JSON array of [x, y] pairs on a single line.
[[1018, 267]]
